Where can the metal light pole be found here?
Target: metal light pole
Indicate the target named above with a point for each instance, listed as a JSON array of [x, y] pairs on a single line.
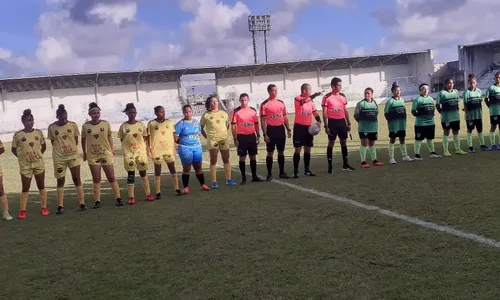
[[259, 23]]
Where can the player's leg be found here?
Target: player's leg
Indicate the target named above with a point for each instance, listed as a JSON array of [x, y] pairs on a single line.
[[455, 130], [242, 150], [390, 147], [419, 138], [297, 144], [252, 153], [186, 173], [446, 133], [402, 146], [143, 166], [170, 160], [270, 147], [3, 200], [343, 132], [130, 166], [430, 134], [95, 171], [332, 136], [470, 127], [372, 139], [39, 175], [77, 181], [26, 176], [225, 155], [280, 147], [157, 169], [363, 138], [197, 166], [480, 136], [60, 175], [493, 128], [109, 171], [213, 153]]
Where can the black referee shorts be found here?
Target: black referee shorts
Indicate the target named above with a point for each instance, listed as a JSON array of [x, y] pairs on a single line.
[[247, 144], [277, 138], [301, 136], [338, 128]]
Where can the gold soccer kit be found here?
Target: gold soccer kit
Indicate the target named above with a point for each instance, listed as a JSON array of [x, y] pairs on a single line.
[[161, 141], [65, 152], [98, 148], [215, 125], [29, 152], [134, 146]]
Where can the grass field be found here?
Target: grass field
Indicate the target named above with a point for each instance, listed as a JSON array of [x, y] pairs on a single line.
[[289, 239]]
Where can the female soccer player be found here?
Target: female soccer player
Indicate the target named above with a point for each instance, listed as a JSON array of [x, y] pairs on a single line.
[[63, 135], [187, 135], [492, 100], [447, 105], [305, 109], [161, 147], [215, 128], [425, 128], [28, 145], [3, 197], [395, 114], [97, 147], [366, 114], [245, 129], [133, 134], [473, 99]]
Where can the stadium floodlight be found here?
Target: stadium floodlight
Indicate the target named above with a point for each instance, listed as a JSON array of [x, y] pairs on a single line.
[[259, 23]]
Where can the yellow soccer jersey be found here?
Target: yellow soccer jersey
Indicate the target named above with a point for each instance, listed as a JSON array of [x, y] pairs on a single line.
[[63, 140], [97, 139], [161, 137], [132, 136], [29, 147], [215, 125]]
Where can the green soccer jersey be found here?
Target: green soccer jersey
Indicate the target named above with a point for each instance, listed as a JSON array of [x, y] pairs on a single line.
[[450, 109], [424, 106], [473, 103], [395, 111], [366, 113], [493, 96]]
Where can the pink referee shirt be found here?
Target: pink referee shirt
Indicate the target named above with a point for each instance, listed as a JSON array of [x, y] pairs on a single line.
[[245, 120], [274, 110], [335, 105], [304, 112]]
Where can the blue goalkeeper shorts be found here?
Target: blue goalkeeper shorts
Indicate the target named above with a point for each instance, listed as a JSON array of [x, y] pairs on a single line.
[[189, 155]]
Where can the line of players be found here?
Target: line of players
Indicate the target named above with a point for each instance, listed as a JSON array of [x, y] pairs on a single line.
[[161, 140]]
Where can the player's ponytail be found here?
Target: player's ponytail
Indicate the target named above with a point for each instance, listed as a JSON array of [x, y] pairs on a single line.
[[26, 115], [394, 86], [93, 106], [128, 107], [61, 110]]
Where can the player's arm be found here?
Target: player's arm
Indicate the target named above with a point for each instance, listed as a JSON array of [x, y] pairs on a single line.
[[13, 148], [487, 97], [234, 125], [414, 108], [110, 139], [356, 112], [465, 100], [77, 133], [50, 136], [203, 123], [317, 117], [2, 149], [386, 109], [324, 112], [42, 141], [438, 103], [84, 146], [177, 132], [147, 138], [263, 123]]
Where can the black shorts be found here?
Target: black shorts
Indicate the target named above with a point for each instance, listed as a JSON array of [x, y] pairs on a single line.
[[425, 132], [337, 127], [455, 125], [397, 134], [495, 120], [301, 136], [277, 138], [475, 124], [247, 144], [371, 136]]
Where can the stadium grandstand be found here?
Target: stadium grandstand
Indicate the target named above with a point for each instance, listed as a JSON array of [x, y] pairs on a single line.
[[482, 59], [148, 88]]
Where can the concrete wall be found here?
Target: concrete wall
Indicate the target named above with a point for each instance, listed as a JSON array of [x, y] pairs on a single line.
[[481, 61]]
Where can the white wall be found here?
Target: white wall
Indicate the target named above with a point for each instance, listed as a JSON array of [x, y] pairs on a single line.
[[421, 66], [475, 59]]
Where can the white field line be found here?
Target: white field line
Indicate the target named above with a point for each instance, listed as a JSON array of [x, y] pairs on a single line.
[[389, 213]]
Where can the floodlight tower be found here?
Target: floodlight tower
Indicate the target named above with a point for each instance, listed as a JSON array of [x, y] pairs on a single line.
[[259, 23]]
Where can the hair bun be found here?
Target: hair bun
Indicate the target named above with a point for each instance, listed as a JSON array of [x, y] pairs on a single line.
[[27, 112], [92, 105], [394, 83], [61, 106]]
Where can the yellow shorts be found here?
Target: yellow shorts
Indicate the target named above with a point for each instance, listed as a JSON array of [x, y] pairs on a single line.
[[101, 161], [219, 144], [138, 161], [30, 170], [61, 166], [168, 158]]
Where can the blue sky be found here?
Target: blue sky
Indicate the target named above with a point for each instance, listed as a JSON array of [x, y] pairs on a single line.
[[60, 36]]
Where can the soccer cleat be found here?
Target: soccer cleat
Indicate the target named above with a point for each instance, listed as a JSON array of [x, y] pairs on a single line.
[[348, 168], [131, 200], [309, 173], [498, 147], [484, 148], [378, 163], [178, 192], [60, 210], [83, 207], [471, 150], [295, 173], [158, 196], [435, 155], [418, 157], [447, 154], [215, 185], [231, 182], [243, 181], [97, 205], [392, 161], [22, 215], [407, 158], [186, 191], [45, 212], [494, 147], [256, 179], [284, 176], [119, 202], [269, 177], [460, 152], [205, 188], [150, 198], [330, 171], [6, 216], [365, 165]]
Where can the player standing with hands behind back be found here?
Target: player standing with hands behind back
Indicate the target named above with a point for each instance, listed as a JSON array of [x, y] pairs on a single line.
[[274, 121], [474, 113], [395, 114]]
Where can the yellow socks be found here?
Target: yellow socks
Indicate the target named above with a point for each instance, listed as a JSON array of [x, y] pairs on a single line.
[[43, 198], [213, 172], [145, 183], [23, 200], [96, 187], [175, 181], [5, 203], [116, 189], [60, 196], [79, 193], [157, 184], [227, 170]]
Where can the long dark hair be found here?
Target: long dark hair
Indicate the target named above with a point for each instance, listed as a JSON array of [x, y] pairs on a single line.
[[208, 102], [128, 107], [61, 110], [26, 115]]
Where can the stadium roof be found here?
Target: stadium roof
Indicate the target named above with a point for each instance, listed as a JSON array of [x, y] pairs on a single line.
[[492, 44], [47, 82]]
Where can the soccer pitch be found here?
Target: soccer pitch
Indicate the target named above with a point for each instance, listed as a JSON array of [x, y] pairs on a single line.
[[320, 237]]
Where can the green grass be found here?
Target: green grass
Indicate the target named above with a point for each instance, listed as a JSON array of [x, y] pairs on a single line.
[[267, 241]]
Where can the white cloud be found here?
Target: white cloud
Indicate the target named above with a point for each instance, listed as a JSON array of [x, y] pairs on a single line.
[[358, 51]]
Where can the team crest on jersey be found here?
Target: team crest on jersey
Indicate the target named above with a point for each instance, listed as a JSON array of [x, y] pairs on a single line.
[[23, 139], [102, 129], [470, 123], [156, 127], [104, 161], [419, 135], [36, 138], [186, 157], [127, 130], [89, 130], [211, 117], [447, 124], [56, 132], [96, 136], [167, 126], [131, 163], [495, 117], [60, 170]]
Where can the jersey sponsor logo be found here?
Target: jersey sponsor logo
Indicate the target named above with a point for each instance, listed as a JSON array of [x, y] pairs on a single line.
[[304, 113], [67, 150], [247, 124], [337, 109], [192, 136], [276, 116]]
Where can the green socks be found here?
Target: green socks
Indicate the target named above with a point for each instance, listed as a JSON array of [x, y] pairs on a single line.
[[445, 143], [417, 146], [468, 137], [404, 149], [492, 138], [430, 145], [373, 152], [481, 138], [391, 151], [362, 153], [456, 142]]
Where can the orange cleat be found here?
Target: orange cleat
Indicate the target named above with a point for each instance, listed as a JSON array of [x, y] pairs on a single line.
[[131, 201], [205, 188], [365, 165], [45, 212], [150, 198], [186, 190], [378, 163], [22, 215]]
